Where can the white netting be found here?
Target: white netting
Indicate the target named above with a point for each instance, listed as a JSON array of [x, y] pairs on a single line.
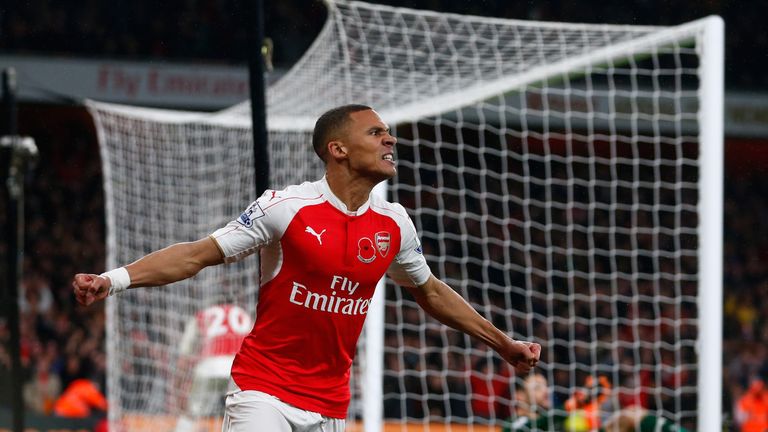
[[551, 170]]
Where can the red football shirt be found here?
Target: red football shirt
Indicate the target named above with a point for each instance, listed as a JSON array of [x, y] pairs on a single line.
[[221, 329], [320, 264]]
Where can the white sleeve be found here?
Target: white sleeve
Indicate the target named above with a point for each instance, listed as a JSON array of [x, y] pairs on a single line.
[[253, 229], [409, 268]]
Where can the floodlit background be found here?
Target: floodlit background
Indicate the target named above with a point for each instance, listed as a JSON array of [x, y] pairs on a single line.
[[65, 213]]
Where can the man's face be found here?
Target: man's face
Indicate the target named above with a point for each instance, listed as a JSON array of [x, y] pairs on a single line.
[[537, 390], [370, 147]]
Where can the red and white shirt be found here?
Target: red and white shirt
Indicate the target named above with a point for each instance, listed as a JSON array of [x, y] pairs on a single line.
[[320, 264], [216, 331], [213, 337]]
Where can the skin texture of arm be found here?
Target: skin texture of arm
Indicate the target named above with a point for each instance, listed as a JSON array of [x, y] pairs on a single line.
[[174, 263], [448, 307]]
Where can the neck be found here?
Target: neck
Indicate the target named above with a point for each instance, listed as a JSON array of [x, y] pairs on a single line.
[[353, 192]]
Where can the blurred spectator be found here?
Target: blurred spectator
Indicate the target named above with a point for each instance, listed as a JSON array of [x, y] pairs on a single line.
[[44, 389], [35, 296], [534, 411], [490, 388], [752, 408], [82, 398]]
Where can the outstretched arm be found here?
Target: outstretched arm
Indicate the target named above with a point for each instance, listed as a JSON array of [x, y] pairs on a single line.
[[174, 263], [448, 307]]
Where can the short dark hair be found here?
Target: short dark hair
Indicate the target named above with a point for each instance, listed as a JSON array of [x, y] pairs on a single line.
[[329, 124]]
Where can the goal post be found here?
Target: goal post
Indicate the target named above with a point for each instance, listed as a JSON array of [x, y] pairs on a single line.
[[711, 227], [565, 179]]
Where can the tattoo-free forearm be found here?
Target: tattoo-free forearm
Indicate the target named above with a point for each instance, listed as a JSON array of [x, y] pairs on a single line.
[[447, 306], [174, 263]]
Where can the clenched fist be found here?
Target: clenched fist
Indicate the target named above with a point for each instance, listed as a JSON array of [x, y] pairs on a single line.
[[90, 287], [522, 355]]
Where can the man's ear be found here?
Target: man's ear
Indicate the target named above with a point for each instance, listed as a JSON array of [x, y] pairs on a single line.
[[337, 149]]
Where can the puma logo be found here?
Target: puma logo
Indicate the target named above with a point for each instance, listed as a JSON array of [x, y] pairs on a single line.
[[312, 231]]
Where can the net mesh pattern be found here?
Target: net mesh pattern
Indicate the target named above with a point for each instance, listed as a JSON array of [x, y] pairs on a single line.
[[551, 171]]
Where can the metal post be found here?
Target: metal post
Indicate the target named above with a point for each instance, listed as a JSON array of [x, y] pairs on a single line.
[[19, 151], [255, 28], [711, 135], [8, 119]]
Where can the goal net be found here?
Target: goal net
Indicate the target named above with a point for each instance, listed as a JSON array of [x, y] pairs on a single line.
[[564, 178]]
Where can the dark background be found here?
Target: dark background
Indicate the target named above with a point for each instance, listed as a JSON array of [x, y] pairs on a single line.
[[65, 232], [214, 31]]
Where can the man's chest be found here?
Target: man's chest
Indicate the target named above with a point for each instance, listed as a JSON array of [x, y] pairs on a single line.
[[323, 242]]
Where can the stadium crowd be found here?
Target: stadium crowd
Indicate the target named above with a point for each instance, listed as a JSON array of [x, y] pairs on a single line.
[[214, 31], [63, 343]]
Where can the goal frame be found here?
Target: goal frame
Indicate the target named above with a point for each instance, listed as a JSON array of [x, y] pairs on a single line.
[[711, 225], [711, 143], [699, 123]]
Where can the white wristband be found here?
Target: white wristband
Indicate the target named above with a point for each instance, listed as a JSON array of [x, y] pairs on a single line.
[[120, 279]]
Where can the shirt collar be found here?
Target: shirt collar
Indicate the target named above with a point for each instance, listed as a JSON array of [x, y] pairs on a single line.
[[325, 189]]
